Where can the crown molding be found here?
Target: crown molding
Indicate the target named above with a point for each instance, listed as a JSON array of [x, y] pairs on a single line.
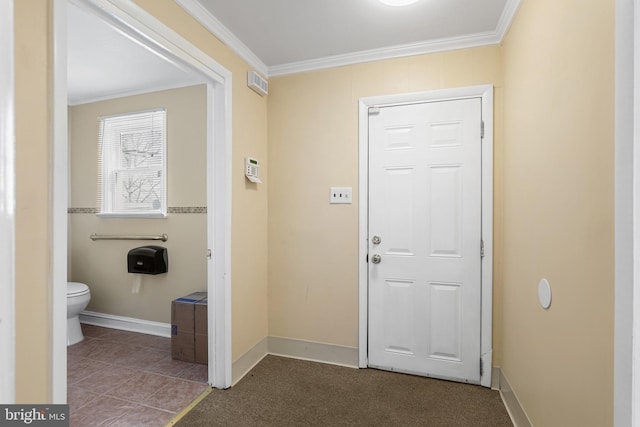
[[73, 102], [211, 23], [398, 51], [421, 48], [507, 17]]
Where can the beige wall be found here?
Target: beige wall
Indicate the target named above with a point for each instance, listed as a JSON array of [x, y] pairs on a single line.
[[33, 215], [102, 264], [558, 210], [313, 145]]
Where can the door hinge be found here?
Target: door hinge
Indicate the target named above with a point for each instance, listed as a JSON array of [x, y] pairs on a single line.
[[481, 129], [373, 111], [481, 248], [481, 367]]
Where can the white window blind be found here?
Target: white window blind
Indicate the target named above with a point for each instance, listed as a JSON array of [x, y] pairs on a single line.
[[132, 164]]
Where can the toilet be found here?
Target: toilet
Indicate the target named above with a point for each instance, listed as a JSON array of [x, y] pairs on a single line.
[[78, 296]]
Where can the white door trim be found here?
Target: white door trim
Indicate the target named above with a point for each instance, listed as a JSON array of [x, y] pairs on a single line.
[[485, 92], [7, 206], [59, 204], [146, 29], [626, 390]]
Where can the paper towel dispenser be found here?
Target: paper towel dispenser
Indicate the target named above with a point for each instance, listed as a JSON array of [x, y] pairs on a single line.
[[148, 260]]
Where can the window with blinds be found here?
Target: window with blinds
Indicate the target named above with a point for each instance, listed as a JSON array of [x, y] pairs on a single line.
[[132, 164]]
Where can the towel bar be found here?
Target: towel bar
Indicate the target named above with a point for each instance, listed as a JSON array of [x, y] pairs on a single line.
[[95, 237]]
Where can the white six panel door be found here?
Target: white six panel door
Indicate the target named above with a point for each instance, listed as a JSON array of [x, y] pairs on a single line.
[[425, 207]]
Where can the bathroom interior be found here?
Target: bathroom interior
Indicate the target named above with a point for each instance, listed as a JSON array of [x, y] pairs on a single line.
[[111, 301]]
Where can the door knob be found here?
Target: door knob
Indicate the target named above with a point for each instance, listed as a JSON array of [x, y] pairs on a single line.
[[376, 240], [376, 259]]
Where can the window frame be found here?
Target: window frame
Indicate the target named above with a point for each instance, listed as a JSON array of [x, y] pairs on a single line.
[[106, 193]]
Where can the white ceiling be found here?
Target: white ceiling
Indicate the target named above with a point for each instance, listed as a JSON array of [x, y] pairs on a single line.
[[104, 63], [279, 37], [288, 31]]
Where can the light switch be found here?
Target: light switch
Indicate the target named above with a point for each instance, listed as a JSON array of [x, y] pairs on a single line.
[[341, 195]]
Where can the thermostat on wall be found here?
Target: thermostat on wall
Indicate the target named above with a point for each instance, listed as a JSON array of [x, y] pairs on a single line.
[[252, 169]]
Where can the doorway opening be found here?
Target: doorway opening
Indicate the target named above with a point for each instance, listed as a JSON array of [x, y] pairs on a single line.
[[144, 29]]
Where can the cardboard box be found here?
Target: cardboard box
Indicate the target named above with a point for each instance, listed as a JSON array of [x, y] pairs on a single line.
[[183, 324]]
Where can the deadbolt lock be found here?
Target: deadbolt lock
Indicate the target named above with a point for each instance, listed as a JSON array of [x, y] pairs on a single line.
[[376, 240]]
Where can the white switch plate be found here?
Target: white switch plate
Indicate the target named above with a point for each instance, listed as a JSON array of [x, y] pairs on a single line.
[[341, 195]]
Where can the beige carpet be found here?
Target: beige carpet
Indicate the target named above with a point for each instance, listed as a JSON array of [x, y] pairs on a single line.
[[288, 392]]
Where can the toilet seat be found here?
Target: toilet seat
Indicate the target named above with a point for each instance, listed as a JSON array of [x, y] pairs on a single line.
[[76, 289]]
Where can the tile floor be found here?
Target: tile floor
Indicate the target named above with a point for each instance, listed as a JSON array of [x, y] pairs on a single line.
[[118, 378]]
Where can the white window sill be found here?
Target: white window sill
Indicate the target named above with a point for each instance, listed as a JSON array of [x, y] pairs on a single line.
[[141, 215]]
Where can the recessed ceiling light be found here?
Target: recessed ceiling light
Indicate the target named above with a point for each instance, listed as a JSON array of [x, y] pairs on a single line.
[[398, 2]]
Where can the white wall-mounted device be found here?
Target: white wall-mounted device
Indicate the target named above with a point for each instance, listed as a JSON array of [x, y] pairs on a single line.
[[341, 195], [252, 169], [544, 293], [257, 83]]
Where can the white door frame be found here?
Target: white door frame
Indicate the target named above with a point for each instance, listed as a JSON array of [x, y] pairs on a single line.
[[626, 389], [144, 28], [7, 206], [485, 92], [59, 205]]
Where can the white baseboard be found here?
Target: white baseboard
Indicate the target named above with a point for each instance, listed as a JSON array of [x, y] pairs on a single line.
[[314, 351], [516, 412], [495, 378], [126, 323], [296, 349], [247, 361]]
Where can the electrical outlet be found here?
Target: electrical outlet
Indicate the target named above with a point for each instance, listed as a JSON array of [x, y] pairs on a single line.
[[341, 195]]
